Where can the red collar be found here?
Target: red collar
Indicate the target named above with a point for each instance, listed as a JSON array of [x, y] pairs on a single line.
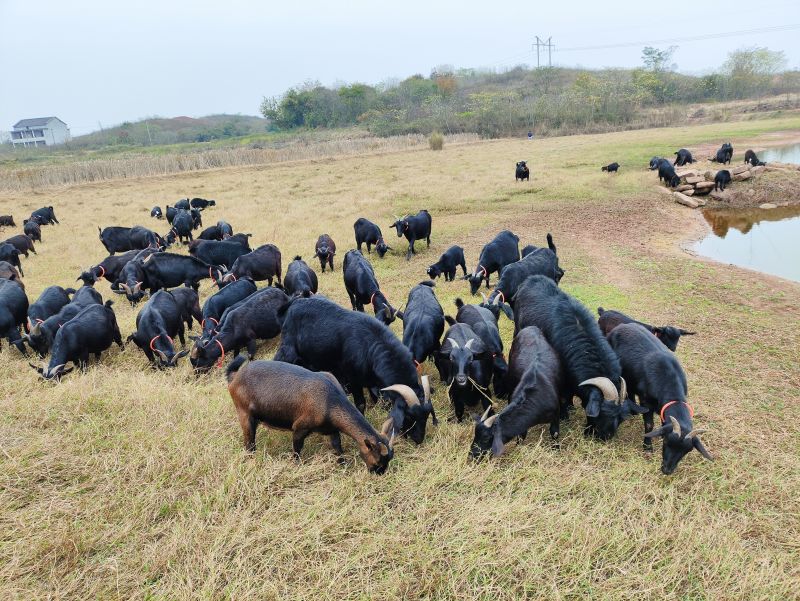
[[670, 404], [104, 271], [222, 356], [153, 341]]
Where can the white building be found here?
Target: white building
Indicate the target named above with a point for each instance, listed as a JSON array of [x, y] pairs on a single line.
[[40, 131]]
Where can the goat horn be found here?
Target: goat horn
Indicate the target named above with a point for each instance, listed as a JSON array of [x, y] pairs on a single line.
[[484, 298], [623, 390], [36, 329], [453, 342], [694, 433], [703, 451], [137, 287], [469, 344], [605, 385], [676, 427], [55, 370], [426, 387], [657, 432], [404, 391], [496, 300], [387, 426], [489, 421], [177, 356], [486, 413], [126, 287]]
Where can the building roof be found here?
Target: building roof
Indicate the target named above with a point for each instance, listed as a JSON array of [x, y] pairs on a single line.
[[35, 122]]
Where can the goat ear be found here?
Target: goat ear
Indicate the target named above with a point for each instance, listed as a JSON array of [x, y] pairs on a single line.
[[497, 441], [400, 315], [368, 444], [630, 407], [593, 408], [685, 333], [507, 310]]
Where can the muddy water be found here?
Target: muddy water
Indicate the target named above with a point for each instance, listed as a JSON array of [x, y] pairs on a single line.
[[767, 240], [783, 154]]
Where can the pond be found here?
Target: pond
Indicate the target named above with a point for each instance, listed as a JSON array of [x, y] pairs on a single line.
[[767, 240], [781, 154]]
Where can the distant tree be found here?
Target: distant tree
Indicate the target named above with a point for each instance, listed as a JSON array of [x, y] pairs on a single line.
[[751, 69], [658, 60]]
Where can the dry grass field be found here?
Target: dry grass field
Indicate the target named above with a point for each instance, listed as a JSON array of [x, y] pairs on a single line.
[[130, 483]]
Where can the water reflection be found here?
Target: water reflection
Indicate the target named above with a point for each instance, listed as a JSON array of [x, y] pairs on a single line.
[[783, 154], [767, 240]]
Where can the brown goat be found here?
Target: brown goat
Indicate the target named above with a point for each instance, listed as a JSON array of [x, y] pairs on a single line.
[[288, 397], [9, 272]]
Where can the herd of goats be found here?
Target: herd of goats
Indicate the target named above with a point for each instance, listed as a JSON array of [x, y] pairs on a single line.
[[326, 352]]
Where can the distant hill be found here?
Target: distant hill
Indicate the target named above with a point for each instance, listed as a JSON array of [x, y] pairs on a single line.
[[174, 130]]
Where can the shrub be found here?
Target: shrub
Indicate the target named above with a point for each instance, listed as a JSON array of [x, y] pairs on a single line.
[[436, 141]]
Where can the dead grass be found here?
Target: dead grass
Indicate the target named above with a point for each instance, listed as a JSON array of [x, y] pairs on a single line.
[[129, 483]]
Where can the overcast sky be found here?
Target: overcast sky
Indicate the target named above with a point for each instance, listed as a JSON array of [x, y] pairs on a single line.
[[105, 61]]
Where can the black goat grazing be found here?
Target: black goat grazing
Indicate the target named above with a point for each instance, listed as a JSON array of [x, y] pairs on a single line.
[[8, 220], [157, 324], [210, 233], [724, 154], [324, 250], [44, 216], [121, 239], [202, 203], [447, 263], [252, 319], [414, 227], [668, 335], [10, 254], [32, 229], [370, 234], [263, 263], [484, 323], [300, 279], [225, 228], [284, 396], [535, 377], [189, 305], [522, 173], [611, 167], [722, 179], [13, 312], [423, 322], [362, 287], [655, 163], [90, 332], [465, 364], [217, 252], [667, 173], [157, 213], [360, 353], [182, 226], [22, 243], [50, 301], [537, 261], [752, 158], [109, 268], [9, 272], [656, 376], [132, 278], [592, 370], [683, 157], [501, 251], [216, 304]]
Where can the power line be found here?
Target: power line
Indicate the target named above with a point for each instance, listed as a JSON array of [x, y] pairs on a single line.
[[709, 36]]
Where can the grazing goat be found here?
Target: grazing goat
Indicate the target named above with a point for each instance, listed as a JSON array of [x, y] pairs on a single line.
[[370, 234], [683, 157], [752, 158], [592, 370], [501, 251], [465, 364], [722, 179], [656, 376], [300, 279], [447, 263], [484, 323], [362, 287], [32, 229], [611, 168], [535, 377], [13, 312], [157, 324], [423, 322], [668, 335], [289, 397]]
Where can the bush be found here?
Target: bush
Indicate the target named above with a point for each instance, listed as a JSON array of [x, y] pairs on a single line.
[[436, 141]]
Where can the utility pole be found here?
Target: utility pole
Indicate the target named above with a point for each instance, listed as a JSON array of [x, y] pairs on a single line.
[[540, 43]]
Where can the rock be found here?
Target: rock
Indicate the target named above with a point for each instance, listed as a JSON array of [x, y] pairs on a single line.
[[664, 190], [684, 187], [774, 168], [740, 169], [688, 192], [701, 202], [704, 185], [685, 172], [750, 192], [768, 205], [742, 176], [695, 179], [720, 195], [685, 200]]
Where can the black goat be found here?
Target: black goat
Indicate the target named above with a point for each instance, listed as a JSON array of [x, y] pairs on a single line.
[[414, 227], [484, 323], [501, 251], [10, 254], [300, 279], [216, 304], [159, 321], [362, 287], [465, 364], [217, 252], [668, 335], [683, 157], [157, 213], [752, 158], [423, 322], [522, 172], [44, 216], [32, 229], [667, 173], [447, 263], [591, 368], [611, 167], [656, 376], [182, 226], [50, 301], [263, 263], [724, 154], [722, 179], [13, 312], [324, 250], [359, 352], [536, 379], [370, 234]]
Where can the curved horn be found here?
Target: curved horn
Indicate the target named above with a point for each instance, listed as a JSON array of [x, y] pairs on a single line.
[[485, 300], [404, 391], [468, 345], [697, 432], [162, 355], [36, 329], [488, 423], [426, 387], [658, 432], [126, 287], [176, 356], [676, 427], [496, 300], [605, 385], [452, 342], [486, 413], [193, 354], [623, 390], [55, 371], [387, 427], [137, 287], [703, 451]]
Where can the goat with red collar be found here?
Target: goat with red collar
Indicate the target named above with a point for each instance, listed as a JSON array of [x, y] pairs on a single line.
[[414, 227], [501, 251], [363, 288], [654, 374]]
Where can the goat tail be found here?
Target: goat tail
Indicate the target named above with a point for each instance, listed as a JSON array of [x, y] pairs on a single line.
[[234, 367], [600, 310], [459, 303], [550, 243]]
